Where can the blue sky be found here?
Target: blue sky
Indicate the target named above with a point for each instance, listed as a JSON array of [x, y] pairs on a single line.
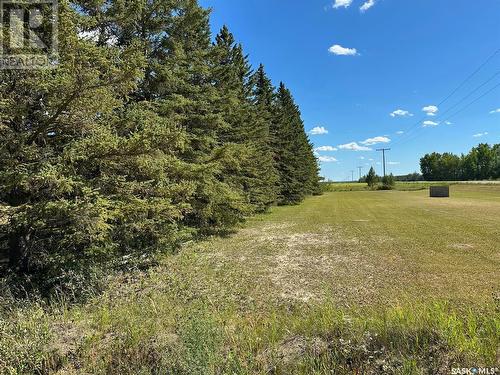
[[350, 69]]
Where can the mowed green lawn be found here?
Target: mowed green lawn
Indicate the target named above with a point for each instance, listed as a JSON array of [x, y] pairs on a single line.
[[361, 282], [366, 248]]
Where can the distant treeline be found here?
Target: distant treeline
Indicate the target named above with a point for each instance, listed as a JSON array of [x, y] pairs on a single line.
[[411, 177], [481, 163], [145, 135]]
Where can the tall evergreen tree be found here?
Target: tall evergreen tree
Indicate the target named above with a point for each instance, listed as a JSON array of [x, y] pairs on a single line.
[[247, 134], [262, 92], [179, 80], [58, 216], [371, 178], [193, 98], [294, 157], [145, 134]]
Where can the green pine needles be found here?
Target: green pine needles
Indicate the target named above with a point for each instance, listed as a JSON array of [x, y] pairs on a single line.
[[147, 134]]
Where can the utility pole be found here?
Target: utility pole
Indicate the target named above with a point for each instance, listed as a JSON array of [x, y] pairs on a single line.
[[360, 168], [383, 155]]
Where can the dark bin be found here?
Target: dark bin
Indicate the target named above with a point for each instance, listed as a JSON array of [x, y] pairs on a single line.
[[440, 191]]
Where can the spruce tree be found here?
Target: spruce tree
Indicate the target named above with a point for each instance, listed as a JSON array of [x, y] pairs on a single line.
[[144, 135], [247, 135], [178, 79], [371, 178], [188, 93], [294, 158], [58, 216], [263, 100]]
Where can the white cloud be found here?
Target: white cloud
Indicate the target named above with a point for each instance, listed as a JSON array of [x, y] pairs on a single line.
[[353, 146], [367, 5], [401, 113], [319, 130], [431, 110], [93, 36], [361, 158], [393, 162], [400, 132], [495, 111], [448, 122], [480, 134], [342, 51], [428, 123], [342, 3], [327, 159], [375, 140], [326, 148]]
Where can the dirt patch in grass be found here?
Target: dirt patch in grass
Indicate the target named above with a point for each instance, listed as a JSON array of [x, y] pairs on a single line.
[[286, 266], [306, 277], [266, 229]]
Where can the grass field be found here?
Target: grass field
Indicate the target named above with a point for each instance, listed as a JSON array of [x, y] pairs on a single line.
[[402, 186], [353, 282]]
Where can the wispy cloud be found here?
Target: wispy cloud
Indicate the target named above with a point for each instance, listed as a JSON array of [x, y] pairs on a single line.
[[375, 140], [448, 123], [327, 159], [495, 111], [393, 162], [478, 135], [401, 113], [400, 132], [338, 50], [342, 3], [326, 148], [428, 124], [319, 130], [367, 5], [353, 146], [431, 110]]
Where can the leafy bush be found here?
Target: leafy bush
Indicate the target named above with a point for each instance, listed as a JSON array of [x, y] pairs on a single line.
[[388, 182]]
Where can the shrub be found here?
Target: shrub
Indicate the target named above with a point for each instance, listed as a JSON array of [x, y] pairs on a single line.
[[388, 182]]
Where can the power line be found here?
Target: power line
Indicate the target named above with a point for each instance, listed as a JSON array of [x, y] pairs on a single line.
[[440, 117], [470, 76], [471, 93], [455, 113], [473, 102], [416, 124]]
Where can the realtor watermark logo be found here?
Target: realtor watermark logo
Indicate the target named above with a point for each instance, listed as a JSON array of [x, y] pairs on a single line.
[[475, 371], [28, 38]]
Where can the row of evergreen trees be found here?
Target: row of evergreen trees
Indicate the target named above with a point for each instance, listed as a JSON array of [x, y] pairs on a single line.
[[481, 163], [146, 134]]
